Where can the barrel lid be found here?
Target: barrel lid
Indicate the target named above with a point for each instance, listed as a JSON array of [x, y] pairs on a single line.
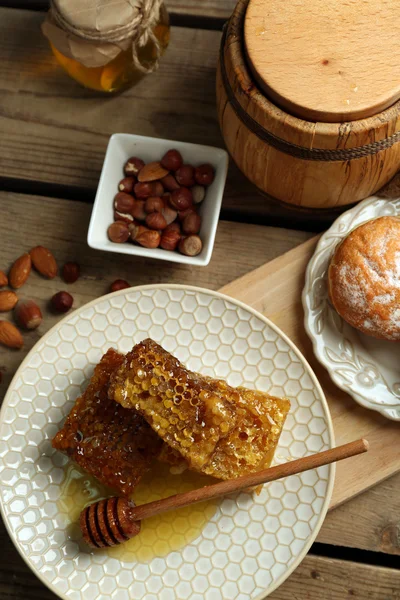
[[326, 60]]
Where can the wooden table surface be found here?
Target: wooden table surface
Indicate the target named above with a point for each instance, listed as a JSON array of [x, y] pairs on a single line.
[[52, 143]]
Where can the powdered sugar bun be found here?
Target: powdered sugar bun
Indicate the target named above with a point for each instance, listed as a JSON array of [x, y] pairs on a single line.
[[364, 278]]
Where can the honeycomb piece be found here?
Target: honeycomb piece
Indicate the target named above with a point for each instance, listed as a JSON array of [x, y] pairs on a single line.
[[217, 429], [186, 411], [113, 444]]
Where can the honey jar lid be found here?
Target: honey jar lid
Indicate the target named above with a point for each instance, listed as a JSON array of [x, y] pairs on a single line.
[[325, 60]]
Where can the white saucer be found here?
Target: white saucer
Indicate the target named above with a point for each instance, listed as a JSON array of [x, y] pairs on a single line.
[[367, 368]]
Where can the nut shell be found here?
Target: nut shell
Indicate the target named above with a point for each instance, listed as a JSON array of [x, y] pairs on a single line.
[[28, 315], [10, 336], [20, 271], [44, 262]]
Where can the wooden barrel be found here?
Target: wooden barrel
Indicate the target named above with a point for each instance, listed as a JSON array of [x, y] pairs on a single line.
[[305, 163]]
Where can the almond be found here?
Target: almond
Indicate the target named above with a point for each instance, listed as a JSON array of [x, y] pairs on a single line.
[[7, 300], [44, 262], [20, 270], [10, 336], [151, 172], [3, 279]]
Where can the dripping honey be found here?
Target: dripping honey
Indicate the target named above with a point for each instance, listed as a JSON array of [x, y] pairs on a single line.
[[119, 73], [159, 535]]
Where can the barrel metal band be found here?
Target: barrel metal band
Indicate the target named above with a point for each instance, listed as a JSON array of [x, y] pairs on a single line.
[[318, 154]]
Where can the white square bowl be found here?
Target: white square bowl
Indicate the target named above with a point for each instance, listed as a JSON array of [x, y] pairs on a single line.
[[121, 147]]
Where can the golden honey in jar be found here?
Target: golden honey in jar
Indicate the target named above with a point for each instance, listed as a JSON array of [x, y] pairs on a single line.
[[107, 47]]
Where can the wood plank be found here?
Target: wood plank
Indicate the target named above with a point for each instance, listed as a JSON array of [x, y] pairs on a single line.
[[68, 127], [211, 9], [280, 300], [371, 521], [330, 579], [314, 579], [62, 227]]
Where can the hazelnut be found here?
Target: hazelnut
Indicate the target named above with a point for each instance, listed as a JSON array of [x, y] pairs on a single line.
[[157, 188], [191, 223], [118, 232], [126, 184], [154, 204], [28, 315], [125, 217], [181, 199], [138, 212], [156, 220], [173, 227], [198, 193], [135, 229], [204, 174], [62, 302], [182, 214], [172, 160], [191, 245], [148, 188], [70, 272], [148, 238], [119, 284], [185, 175], [170, 183], [133, 166], [170, 239], [168, 212], [143, 190], [123, 202]]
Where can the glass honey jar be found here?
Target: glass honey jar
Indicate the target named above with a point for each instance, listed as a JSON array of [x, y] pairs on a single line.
[[107, 46]]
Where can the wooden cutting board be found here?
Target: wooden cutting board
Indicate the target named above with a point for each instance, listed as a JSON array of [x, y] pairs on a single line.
[[275, 291]]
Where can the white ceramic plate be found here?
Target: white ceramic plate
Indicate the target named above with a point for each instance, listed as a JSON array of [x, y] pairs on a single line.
[[366, 368], [252, 543]]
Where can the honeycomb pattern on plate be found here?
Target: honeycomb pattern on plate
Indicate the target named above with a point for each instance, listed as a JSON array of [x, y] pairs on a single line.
[[251, 543]]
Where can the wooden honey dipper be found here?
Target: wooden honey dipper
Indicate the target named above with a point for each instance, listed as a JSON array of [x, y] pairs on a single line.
[[115, 520]]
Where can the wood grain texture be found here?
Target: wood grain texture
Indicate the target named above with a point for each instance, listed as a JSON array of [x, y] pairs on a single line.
[[371, 521], [61, 226], [247, 117], [68, 127], [315, 579], [336, 77], [275, 290], [212, 9]]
